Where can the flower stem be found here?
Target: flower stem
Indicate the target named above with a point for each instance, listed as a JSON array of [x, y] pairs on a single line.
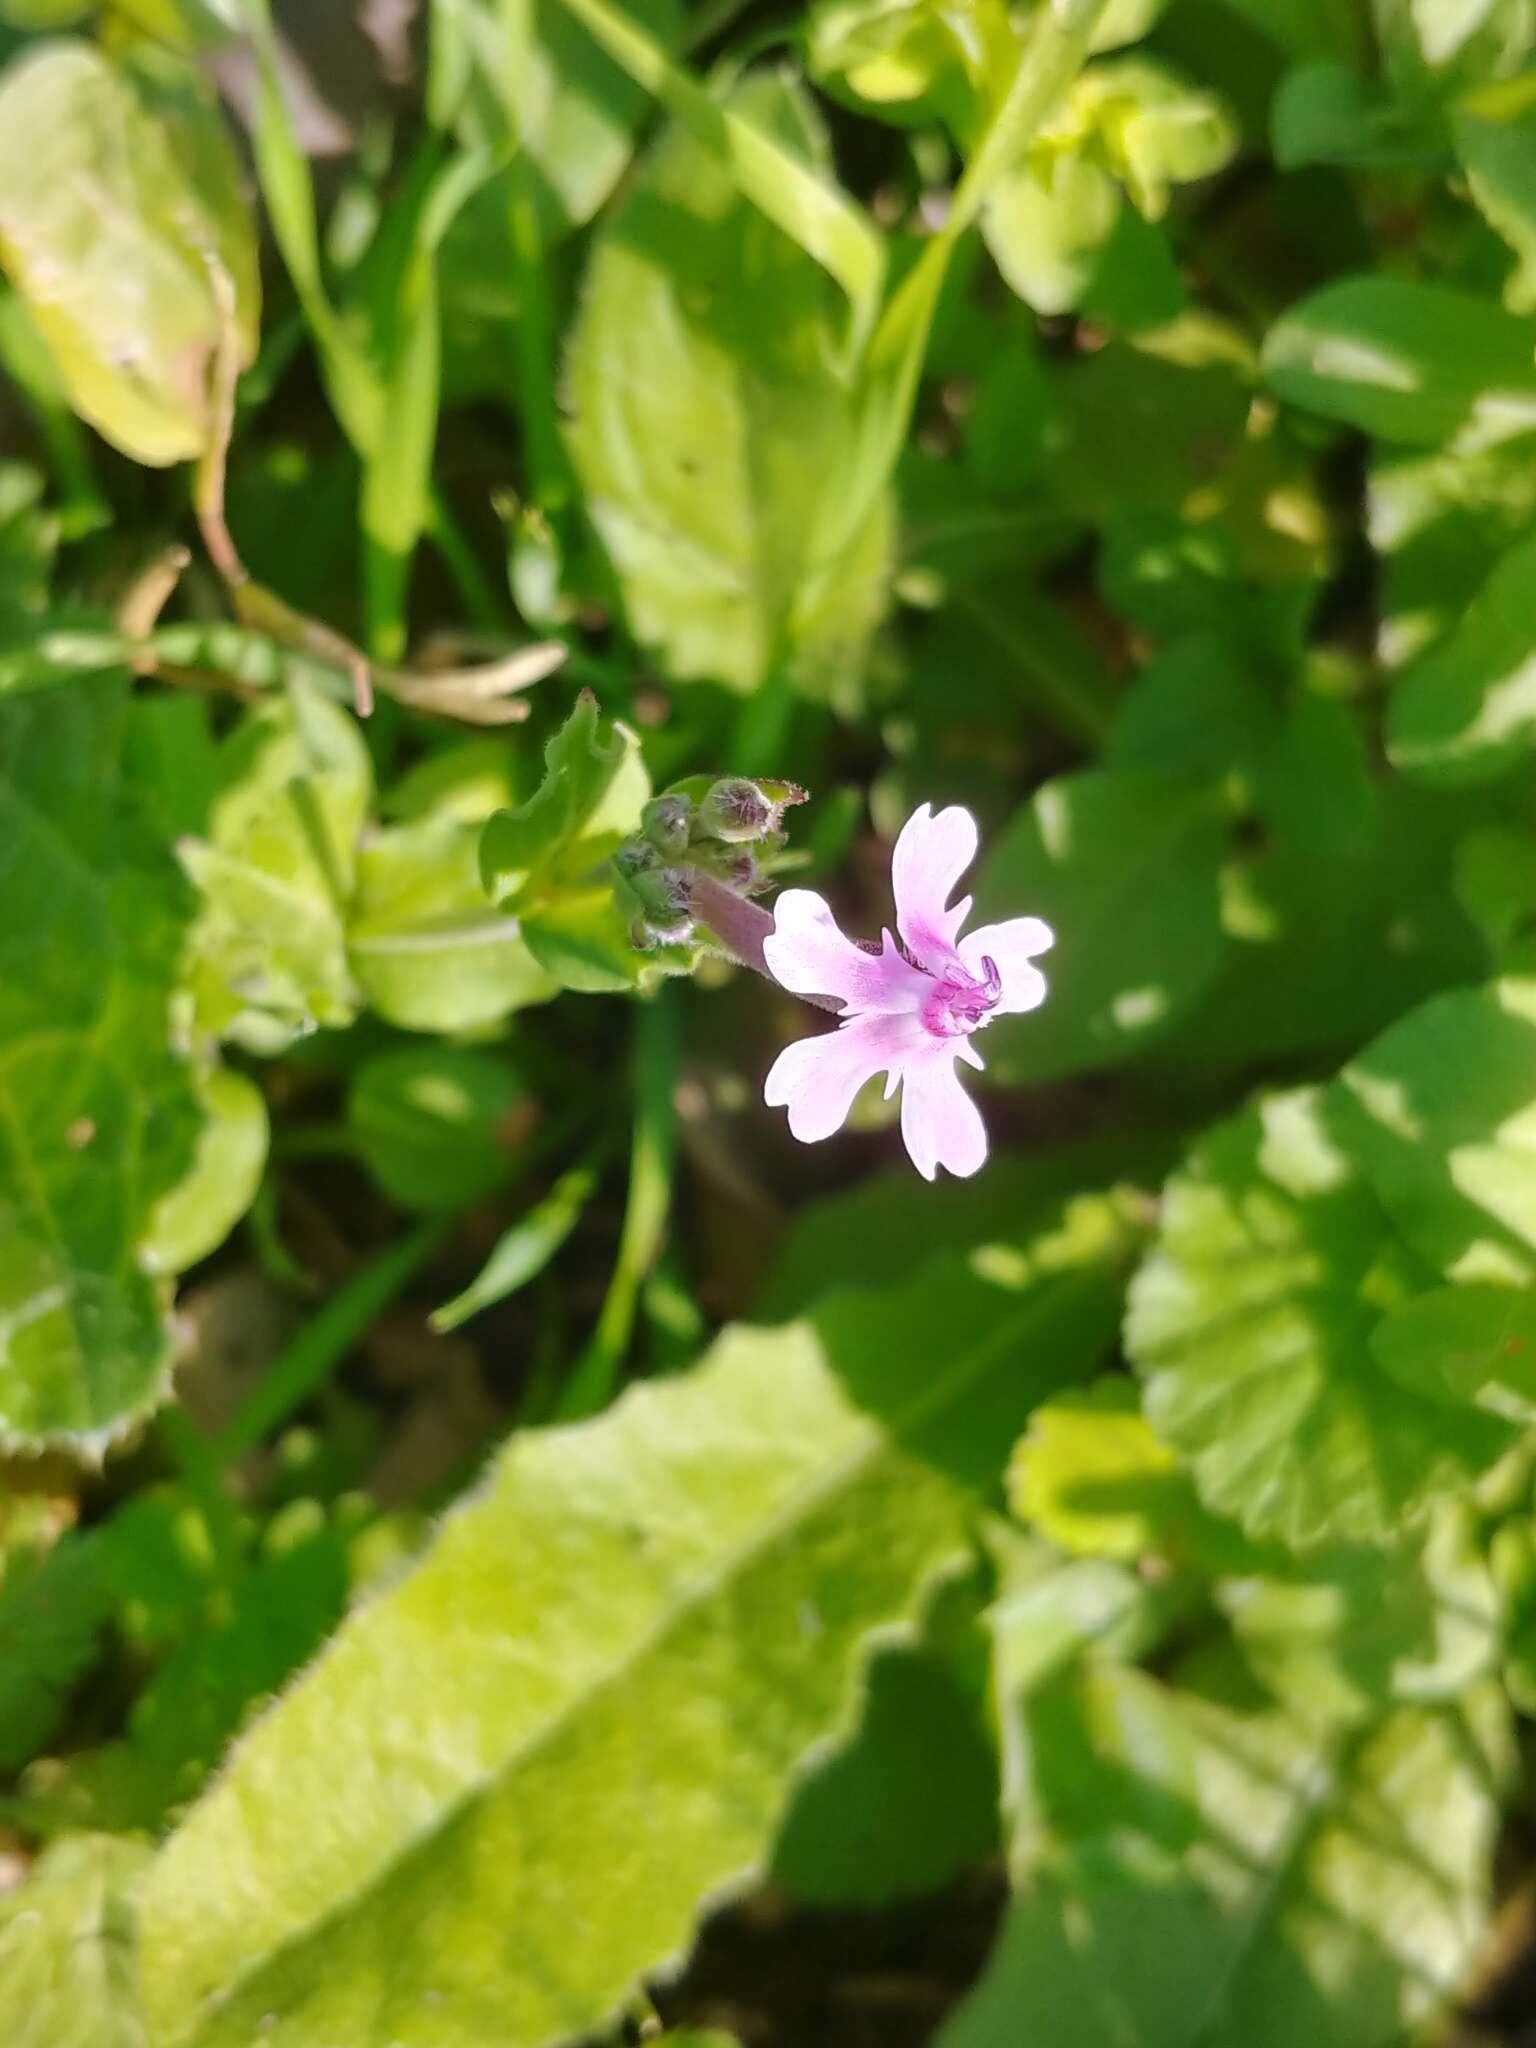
[[741, 927]]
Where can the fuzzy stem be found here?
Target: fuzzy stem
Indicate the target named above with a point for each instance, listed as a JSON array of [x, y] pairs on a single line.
[[741, 928]]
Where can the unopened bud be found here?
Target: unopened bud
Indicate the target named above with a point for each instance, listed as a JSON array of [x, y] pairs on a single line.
[[665, 821], [634, 857], [667, 896], [735, 809]]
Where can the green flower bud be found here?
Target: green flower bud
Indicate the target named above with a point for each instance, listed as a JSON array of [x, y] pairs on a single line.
[[735, 809], [667, 896], [666, 822]]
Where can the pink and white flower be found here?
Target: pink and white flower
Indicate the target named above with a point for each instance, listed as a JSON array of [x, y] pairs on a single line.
[[911, 1009]]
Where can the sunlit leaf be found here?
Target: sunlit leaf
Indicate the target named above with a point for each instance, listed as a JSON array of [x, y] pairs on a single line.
[[1250, 1324], [1466, 711], [1439, 1114], [67, 1963], [712, 428], [1200, 1869], [118, 205], [1405, 361], [98, 1116], [589, 1644]]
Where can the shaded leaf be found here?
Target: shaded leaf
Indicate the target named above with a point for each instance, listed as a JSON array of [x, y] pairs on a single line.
[[1122, 864], [437, 1125], [1466, 711], [1472, 1344]]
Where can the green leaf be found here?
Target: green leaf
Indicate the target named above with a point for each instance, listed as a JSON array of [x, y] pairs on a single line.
[[588, 1645], [1250, 1322], [194, 1217], [1343, 1633], [67, 1965], [908, 1803], [712, 477], [1438, 1114], [915, 60], [1091, 1475], [1199, 1869], [1326, 114], [522, 1252], [119, 203], [1466, 711], [426, 949], [276, 871], [96, 1113], [52, 1606], [764, 163], [547, 87], [1406, 362], [1122, 864], [437, 1125], [1499, 159], [521, 847], [1465, 1344]]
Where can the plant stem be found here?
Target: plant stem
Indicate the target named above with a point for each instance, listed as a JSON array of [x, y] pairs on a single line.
[[591, 1384]]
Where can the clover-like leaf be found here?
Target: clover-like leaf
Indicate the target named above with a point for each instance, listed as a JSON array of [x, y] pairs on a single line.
[[1250, 1323], [1200, 1869], [1439, 1113]]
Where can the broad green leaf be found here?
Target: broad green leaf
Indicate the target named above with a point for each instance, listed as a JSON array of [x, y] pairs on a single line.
[[1466, 711], [194, 1217], [1200, 1869], [438, 1126], [67, 1965], [590, 1645], [1122, 864], [547, 87], [1250, 1323], [425, 947], [712, 476], [1496, 886], [276, 869], [1438, 1114], [1405, 361], [96, 1113], [120, 202], [1439, 519], [1326, 114], [1341, 1633], [800, 197], [1475, 1344]]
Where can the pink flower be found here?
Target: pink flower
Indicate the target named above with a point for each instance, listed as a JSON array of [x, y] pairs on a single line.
[[909, 1010]]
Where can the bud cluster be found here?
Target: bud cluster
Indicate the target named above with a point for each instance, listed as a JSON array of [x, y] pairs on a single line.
[[728, 829]]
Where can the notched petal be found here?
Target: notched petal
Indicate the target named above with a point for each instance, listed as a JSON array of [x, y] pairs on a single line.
[[932, 853], [808, 954]]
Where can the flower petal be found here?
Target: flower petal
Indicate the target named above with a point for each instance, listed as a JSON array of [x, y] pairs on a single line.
[[808, 955], [816, 1079], [939, 1121], [930, 857], [1010, 947]]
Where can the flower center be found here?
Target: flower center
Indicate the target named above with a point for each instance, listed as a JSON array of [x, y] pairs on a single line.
[[957, 1005]]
